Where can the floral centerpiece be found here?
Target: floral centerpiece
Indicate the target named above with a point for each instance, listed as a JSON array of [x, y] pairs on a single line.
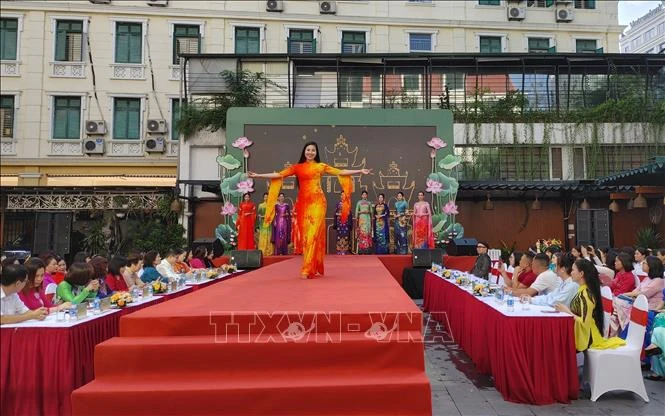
[[447, 274], [159, 287], [478, 289], [121, 299], [229, 268], [544, 245]]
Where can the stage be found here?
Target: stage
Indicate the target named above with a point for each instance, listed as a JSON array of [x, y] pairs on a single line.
[[268, 342]]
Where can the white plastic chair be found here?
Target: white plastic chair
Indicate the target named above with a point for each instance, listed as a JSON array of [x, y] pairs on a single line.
[[495, 254], [619, 369], [608, 308]]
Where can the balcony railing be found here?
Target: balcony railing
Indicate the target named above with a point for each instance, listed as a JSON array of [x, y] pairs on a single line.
[[497, 86]]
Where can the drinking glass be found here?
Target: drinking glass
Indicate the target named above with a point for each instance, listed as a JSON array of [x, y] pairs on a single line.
[[525, 300]]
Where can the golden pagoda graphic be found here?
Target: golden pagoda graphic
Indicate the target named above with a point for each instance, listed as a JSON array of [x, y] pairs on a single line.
[[341, 157], [394, 181]]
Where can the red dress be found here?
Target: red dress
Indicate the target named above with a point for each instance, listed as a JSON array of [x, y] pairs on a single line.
[[116, 283], [245, 224]]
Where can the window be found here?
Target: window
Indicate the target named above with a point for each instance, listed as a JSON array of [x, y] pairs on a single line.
[[649, 34], [661, 28], [377, 83], [175, 117], [504, 162], [301, 41], [540, 3], [128, 43], [585, 4], [420, 1], [489, 2], [661, 49], [604, 160], [539, 45], [420, 42], [454, 80], [411, 82], [578, 163], [69, 41], [248, 39], [557, 163], [7, 116], [67, 118], [585, 46], [126, 118], [351, 87], [490, 44], [8, 39], [186, 39], [353, 42]]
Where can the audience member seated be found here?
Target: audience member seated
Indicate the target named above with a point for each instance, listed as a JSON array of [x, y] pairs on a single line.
[[100, 266], [167, 266], [513, 262], [79, 285], [483, 262], [61, 271], [523, 275], [651, 286], [115, 280], [12, 310], [181, 265], [33, 295], [654, 350], [133, 265], [547, 281], [587, 309], [50, 267], [624, 280], [660, 253], [641, 254], [81, 257], [199, 257], [150, 273], [567, 288]]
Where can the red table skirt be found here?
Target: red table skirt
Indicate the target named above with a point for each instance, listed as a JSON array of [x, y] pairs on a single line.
[[40, 367], [532, 360]]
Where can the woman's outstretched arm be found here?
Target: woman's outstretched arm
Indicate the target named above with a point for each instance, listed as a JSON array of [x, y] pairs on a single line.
[[273, 175], [347, 172]]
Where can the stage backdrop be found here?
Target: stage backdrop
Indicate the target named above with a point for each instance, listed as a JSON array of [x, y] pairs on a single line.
[[391, 142]]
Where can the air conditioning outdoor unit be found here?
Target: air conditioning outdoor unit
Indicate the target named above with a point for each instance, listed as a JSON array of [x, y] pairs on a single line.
[[157, 126], [95, 127], [100, 1], [516, 13], [158, 3], [327, 7], [564, 14], [155, 145], [94, 146], [274, 5]]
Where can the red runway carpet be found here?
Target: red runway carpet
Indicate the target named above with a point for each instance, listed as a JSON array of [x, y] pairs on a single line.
[[269, 343]]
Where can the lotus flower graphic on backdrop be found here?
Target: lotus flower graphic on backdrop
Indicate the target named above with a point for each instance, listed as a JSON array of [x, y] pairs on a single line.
[[246, 186], [245, 153], [242, 143], [434, 186], [228, 209], [450, 208], [432, 153], [436, 143]]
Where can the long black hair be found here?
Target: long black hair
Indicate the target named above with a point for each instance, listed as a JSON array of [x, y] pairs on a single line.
[[593, 285], [655, 267], [317, 159]]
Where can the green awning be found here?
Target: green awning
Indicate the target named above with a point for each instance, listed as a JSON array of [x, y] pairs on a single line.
[[651, 174]]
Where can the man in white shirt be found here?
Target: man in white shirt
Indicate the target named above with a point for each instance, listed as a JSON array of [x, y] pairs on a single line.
[[12, 309], [165, 267], [567, 288], [546, 282]]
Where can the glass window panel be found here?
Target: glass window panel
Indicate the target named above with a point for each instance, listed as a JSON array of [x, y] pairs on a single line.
[[247, 40], [420, 42], [69, 41], [128, 43], [7, 116], [67, 118], [490, 44], [8, 38], [186, 39]]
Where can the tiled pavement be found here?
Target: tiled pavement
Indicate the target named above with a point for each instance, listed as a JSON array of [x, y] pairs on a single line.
[[458, 389]]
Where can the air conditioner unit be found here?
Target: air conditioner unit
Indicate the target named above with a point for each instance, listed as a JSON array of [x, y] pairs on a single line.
[[100, 1], [564, 14], [155, 145], [516, 13], [327, 7], [158, 3], [95, 127], [94, 146], [274, 5], [157, 126]]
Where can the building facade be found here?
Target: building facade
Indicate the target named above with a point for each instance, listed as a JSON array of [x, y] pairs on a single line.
[[91, 90], [646, 34]]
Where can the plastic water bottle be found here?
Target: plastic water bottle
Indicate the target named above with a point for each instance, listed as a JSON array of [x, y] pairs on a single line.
[[72, 313], [500, 295], [96, 308], [510, 303], [59, 315], [149, 290]]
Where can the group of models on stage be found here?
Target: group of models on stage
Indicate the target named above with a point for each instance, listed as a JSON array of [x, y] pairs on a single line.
[[309, 212]]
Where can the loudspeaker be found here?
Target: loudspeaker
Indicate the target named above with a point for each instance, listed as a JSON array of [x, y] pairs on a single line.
[[462, 247], [423, 257], [247, 259]]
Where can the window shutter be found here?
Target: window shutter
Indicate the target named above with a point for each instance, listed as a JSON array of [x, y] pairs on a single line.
[[136, 44], [74, 47], [121, 43], [134, 119], [8, 41], [119, 119], [74, 118], [60, 44]]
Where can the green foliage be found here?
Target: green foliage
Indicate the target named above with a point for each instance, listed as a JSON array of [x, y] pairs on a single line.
[[95, 241], [246, 89], [648, 237], [156, 234]]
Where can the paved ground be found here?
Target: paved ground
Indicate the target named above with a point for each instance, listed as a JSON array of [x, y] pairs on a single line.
[[458, 389]]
